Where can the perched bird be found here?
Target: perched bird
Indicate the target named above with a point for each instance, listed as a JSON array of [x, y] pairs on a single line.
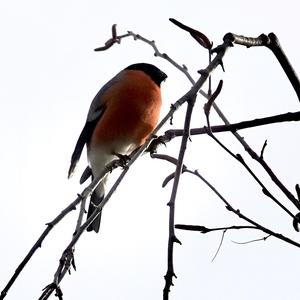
[[121, 117]]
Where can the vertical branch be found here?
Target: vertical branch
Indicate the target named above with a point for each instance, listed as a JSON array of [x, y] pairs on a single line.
[[172, 237], [190, 97]]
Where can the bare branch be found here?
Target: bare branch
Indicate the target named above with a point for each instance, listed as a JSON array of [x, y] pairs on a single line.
[[246, 41], [38, 243], [230, 208], [240, 159], [172, 237], [173, 133], [270, 41], [86, 192], [273, 176], [190, 97], [242, 216], [203, 229], [157, 53], [117, 39], [185, 98]]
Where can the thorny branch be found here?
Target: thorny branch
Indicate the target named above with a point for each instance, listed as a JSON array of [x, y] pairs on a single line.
[[191, 100], [84, 195], [229, 207], [272, 42], [172, 237], [54, 286], [191, 94], [269, 41]]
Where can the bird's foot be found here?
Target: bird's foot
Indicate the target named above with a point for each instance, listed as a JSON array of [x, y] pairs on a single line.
[[155, 143], [124, 159]]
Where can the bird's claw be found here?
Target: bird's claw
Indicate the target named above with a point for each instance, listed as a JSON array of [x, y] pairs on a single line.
[[123, 159], [155, 143]]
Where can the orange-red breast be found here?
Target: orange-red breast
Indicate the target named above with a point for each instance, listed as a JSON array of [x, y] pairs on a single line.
[[121, 117]]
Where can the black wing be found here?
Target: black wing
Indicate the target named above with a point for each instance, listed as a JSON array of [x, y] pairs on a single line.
[[84, 137]]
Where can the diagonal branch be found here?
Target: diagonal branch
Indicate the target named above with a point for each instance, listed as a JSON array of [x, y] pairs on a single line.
[[244, 217], [270, 41], [81, 197], [185, 98], [229, 207], [240, 159]]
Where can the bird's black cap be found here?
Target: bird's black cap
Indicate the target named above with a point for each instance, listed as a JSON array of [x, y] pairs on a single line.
[[155, 73]]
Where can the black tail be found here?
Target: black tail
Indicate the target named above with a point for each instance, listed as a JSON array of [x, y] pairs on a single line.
[[95, 200]]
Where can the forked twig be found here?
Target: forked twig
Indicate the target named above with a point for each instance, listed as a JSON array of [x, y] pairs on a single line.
[[229, 207]]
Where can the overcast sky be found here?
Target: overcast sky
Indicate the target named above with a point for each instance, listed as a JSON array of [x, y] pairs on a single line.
[[49, 73]]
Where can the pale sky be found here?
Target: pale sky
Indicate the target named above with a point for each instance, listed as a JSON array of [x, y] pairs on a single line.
[[49, 74]]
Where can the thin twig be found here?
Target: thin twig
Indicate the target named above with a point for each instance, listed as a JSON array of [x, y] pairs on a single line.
[[252, 241], [172, 160], [263, 149], [220, 245], [158, 53]]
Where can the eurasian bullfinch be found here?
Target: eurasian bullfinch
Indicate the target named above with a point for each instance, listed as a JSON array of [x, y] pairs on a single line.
[[121, 117]]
